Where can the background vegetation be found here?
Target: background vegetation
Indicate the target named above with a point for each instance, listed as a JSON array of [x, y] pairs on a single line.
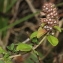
[[18, 19]]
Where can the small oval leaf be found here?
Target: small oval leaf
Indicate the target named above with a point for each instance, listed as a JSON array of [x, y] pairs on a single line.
[[57, 28], [53, 40], [34, 34], [41, 32], [23, 47]]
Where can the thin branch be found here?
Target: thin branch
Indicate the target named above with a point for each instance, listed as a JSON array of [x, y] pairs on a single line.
[[31, 51], [32, 8], [39, 43], [27, 40], [13, 56]]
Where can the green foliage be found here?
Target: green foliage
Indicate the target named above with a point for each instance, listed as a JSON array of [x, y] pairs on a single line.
[[35, 52], [32, 58], [9, 6], [41, 32], [5, 6], [3, 23], [35, 40], [23, 47], [33, 35], [57, 28], [53, 40], [41, 55], [1, 5], [6, 56], [11, 47], [2, 50], [1, 61], [8, 61]]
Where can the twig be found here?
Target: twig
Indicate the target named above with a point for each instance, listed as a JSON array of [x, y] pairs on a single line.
[[32, 8], [27, 40], [12, 56], [39, 43]]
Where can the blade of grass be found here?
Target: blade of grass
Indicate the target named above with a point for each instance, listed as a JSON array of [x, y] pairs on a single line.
[[10, 6], [17, 22], [60, 4], [1, 5]]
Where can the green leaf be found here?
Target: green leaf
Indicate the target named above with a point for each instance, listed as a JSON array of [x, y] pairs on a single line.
[[53, 40], [23, 47], [41, 32], [11, 47], [33, 35], [6, 56], [8, 60], [1, 61], [35, 40], [57, 28], [2, 50]]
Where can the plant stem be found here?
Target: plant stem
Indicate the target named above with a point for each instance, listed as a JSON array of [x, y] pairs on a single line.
[[40, 43]]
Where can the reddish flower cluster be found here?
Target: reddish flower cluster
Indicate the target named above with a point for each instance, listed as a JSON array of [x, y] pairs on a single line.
[[51, 16]]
